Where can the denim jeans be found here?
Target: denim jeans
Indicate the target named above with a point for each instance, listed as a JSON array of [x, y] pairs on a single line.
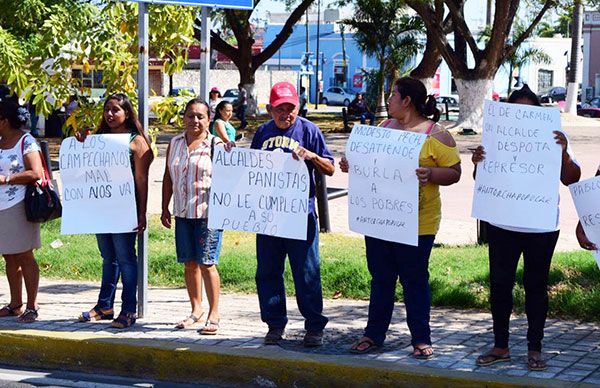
[[240, 113], [118, 259], [505, 248], [388, 261], [366, 115], [305, 266]]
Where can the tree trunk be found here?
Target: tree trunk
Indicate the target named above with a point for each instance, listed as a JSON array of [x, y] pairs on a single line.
[[573, 76], [247, 79], [471, 94], [381, 111], [428, 82]]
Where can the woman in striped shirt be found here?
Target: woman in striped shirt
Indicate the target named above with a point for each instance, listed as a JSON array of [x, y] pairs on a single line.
[[187, 180]]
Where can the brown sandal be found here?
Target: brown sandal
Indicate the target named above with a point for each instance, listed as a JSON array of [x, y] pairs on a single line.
[[536, 363], [8, 311]]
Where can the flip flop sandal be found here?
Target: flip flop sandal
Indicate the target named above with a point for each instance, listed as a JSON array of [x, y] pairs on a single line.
[[210, 328], [86, 316], [8, 311], [29, 316], [357, 348], [124, 321], [419, 353], [189, 321], [536, 364], [491, 359]]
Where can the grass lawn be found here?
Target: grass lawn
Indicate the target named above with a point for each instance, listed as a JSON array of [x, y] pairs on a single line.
[[459, 275]]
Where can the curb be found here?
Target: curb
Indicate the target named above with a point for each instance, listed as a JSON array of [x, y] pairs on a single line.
[[163, 360]]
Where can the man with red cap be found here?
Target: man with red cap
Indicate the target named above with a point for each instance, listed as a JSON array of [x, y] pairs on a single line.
[[290, 133]]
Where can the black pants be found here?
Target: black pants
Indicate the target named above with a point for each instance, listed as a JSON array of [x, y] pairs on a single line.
[[505, 249]]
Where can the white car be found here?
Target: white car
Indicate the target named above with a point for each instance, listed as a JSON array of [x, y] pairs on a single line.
[[337, 96]]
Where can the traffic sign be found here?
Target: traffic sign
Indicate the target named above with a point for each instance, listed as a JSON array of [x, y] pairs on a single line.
[[230, 4]]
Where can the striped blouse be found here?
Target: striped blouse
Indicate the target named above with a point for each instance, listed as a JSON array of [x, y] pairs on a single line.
[[190, 172]]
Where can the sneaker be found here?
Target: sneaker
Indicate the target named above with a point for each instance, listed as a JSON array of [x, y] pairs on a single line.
[[274, 336], [313, 339]]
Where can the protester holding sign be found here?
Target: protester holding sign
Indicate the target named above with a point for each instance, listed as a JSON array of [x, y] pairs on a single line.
[[583, 240], [20, 165], [187, 179], [221, 126], [289, 133], [506, 244], [412, 110], [118, 249]]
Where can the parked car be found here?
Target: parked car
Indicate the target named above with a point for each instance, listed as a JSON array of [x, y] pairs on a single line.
[[590, 108], [183, 91], [230, 95], [451, 101], [337, 96], [553, 94]]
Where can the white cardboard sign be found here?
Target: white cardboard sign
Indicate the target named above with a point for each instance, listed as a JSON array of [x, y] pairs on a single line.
[[98, 192], [586, 196], [517, 182], [263, 192], [383, 189]]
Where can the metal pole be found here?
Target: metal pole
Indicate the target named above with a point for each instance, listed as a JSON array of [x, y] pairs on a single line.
[[205, 53], [322, 202], [142, 81], [318, 38]]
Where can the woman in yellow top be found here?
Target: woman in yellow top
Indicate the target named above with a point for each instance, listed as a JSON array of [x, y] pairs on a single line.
[[411, 109]]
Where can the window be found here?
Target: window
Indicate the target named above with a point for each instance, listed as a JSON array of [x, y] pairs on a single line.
[[545, 79], [93, 79]]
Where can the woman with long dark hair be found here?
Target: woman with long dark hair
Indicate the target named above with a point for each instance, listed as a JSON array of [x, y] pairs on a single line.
[[221, 126], [118, 249], [411, 109]]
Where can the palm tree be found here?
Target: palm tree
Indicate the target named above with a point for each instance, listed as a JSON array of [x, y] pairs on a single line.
[[383, 29]]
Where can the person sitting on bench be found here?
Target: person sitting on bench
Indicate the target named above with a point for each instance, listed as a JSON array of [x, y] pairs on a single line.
[[359, 108]]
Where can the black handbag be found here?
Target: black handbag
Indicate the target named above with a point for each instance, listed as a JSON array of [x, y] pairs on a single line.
[[41, 200]]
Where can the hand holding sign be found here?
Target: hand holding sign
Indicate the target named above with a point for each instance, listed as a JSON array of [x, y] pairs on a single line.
[[97, 186], [586, 196]]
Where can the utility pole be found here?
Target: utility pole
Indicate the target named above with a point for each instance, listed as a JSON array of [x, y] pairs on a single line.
[[344, 63], [318, 60]]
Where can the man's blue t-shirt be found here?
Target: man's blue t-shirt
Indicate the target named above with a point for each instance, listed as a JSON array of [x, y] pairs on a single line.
[[302, 133]]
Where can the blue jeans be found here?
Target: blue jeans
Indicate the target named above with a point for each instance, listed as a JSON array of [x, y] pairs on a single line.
[[305, 265], [240, 113], [119, 259], [366, 115], [388, 261]]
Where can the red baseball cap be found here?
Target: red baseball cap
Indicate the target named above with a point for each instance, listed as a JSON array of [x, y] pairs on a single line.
[[283, 92]]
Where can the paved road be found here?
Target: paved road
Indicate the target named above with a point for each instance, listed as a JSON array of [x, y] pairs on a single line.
[[16, 377]]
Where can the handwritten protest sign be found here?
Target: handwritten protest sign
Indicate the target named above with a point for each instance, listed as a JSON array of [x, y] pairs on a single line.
[[259, 191], [586, 196], [98, 192], [383, 189], [517, 182]]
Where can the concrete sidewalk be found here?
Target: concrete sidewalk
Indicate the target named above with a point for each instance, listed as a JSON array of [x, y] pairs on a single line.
[[153, 348]]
